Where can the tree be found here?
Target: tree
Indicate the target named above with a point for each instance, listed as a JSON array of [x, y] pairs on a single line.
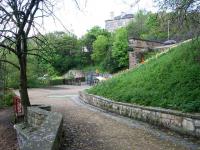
[[17, 18], [184, 11], [90, 37], [138, 26], [67, 51], [154, 26], [120, 47], [157, 27], [100, 48]]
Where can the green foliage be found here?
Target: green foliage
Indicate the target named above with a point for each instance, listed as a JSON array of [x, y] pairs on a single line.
[[67, 51], [157, 30], [149, 26], [8, 99], [56, 82], [92, 35], [184, 11], [138, 26], [100, 47], [120, 47], [170, 81], [154, 26], [88, 40], [35, 70]]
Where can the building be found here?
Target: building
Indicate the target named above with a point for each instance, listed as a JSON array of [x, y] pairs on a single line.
[[139, 47], [118, 21]]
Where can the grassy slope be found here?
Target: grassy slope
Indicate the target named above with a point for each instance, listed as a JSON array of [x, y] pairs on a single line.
[[171, 81]]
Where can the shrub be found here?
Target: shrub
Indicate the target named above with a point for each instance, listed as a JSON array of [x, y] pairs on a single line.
[[8, 99]]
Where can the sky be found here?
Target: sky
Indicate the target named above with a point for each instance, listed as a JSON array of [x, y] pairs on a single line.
[[90, 13]]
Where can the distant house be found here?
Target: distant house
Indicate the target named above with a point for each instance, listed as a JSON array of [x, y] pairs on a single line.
[[118, 21]]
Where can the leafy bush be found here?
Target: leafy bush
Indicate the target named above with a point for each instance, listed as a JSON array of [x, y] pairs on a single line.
[[170, 81], [56, 82], [8, 99]]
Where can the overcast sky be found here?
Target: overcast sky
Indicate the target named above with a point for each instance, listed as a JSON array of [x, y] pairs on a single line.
[[91, 13]]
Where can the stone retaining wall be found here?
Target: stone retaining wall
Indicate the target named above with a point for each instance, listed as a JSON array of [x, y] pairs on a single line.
[[184, 123], [42, 132]]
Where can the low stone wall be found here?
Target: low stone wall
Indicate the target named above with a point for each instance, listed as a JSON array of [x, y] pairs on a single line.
[[42, 132], [184, 123]]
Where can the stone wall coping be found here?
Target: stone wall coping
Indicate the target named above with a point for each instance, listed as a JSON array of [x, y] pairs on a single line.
[[155, 109], [44, 136], [38, 110]]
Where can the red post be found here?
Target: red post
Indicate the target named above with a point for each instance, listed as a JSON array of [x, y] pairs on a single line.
[[18, 107]]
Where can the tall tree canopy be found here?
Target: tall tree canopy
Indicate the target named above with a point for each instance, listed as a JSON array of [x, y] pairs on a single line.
[[184, 12], [100, 48], [67, 51], [120, 47], [90, 37]]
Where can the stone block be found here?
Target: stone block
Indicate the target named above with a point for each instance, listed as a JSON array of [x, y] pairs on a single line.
[[152, 116], [114, 106], [197, 123], [129, 111], [198, 132], [41, 133], [177, 121], [122, 110], [158, 114], [165, 121], [145, 114], [167, 116], [188, 124]]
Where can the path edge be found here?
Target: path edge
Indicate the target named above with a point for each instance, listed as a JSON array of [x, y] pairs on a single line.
[[184, 123]]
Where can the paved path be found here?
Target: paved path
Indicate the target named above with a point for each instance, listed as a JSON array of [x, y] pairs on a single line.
[[89, 128]]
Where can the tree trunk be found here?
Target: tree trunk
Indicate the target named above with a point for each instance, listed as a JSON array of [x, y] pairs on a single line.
[[23, 84]]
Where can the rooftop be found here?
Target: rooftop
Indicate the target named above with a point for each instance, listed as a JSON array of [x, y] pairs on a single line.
[[122, 16]]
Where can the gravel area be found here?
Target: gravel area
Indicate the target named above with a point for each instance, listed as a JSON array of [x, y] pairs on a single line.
[[89, 128], [8, 138]]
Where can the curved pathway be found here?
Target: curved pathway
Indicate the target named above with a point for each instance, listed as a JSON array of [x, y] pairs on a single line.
[[89, 128]]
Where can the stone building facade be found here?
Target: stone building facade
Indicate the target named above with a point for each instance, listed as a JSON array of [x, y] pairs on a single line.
[[118, 22], [139, 47]]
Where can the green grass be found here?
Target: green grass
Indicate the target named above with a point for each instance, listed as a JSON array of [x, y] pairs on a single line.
[[171, 81]]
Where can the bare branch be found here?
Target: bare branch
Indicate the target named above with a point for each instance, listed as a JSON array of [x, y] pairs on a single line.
[[77, 4], [9, 62], [30, 22], [8, 48], [37, 55]]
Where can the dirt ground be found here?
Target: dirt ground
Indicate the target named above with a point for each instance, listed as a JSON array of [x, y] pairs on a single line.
[[89, 128], [8, 138]]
